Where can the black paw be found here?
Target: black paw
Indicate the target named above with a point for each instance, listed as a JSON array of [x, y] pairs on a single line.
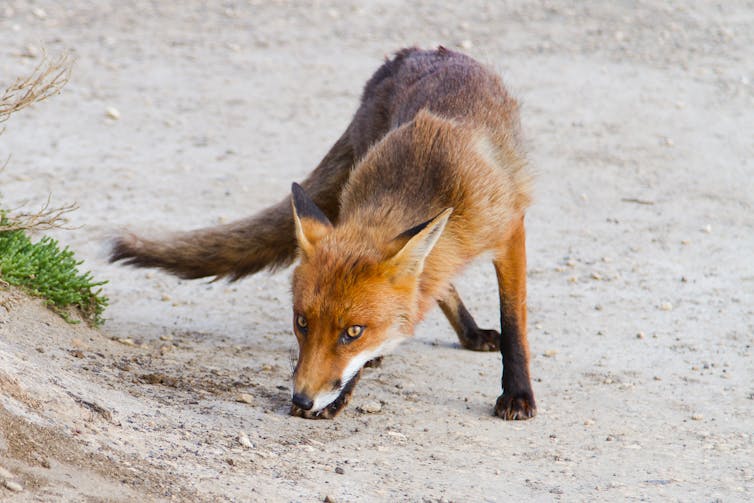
[[481, 340], [516, 406]]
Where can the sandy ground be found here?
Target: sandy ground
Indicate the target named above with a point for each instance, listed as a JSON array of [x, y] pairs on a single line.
[[641, 281]]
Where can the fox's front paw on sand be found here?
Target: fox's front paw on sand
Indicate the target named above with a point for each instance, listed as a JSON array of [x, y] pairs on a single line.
[[482, 340], [515, 406]]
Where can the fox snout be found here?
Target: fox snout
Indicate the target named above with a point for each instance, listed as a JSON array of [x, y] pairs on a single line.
[[325, 403], [302, 401], [314, 393]]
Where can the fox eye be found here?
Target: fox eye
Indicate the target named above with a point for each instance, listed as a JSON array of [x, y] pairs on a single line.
[[353, 332], [301, 323]]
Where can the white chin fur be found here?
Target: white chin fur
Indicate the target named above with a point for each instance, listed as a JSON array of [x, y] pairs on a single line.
[[357, 362], [324, 399]]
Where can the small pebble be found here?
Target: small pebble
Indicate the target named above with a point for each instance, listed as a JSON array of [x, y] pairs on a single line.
[[245, 398], [127, 342], [550, 353], [243, 439], [640, 335], [707, 229], [166, 298], [371, 407], [30, 52], [13, 486], [112, 113], [588, 422], [329, 499], [596, 275], [466, 44], [339, 470], [697, 417], [666, 306]]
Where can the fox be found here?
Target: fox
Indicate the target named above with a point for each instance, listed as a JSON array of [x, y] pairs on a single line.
[[430, 174]]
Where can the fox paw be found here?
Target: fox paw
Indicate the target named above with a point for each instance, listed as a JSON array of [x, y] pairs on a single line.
[[516, 406], [481, 340]]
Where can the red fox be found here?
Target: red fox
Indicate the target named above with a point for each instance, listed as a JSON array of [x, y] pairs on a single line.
[[430, 174]]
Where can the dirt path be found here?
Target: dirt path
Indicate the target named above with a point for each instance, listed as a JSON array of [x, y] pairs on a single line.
[[641, 283]]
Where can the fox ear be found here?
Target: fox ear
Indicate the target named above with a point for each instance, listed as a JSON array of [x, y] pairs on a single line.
[[418, 243], [311, 223]]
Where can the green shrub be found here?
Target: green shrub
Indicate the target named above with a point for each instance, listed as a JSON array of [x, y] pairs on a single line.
[[44, 270]]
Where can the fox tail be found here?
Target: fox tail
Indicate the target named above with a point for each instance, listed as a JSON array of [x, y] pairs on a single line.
[[243, 247]]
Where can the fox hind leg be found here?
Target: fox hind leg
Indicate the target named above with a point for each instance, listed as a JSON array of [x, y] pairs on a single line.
[[517, 400], [469, 334]]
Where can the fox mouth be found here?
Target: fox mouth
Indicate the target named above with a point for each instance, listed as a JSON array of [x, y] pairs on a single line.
[[333, 408]]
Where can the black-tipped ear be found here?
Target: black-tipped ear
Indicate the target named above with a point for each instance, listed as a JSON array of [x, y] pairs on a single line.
[[305, 207], [417, 242], [311, 223]]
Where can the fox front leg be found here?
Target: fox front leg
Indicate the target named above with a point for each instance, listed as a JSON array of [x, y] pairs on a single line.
[[517, 400]]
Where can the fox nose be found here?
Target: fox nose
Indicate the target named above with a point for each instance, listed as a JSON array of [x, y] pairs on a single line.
[[302, 401]]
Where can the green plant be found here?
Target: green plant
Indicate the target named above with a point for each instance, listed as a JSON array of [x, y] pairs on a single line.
[[44, 270]]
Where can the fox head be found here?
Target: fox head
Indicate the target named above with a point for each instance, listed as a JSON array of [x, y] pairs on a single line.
[[353, 300]]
